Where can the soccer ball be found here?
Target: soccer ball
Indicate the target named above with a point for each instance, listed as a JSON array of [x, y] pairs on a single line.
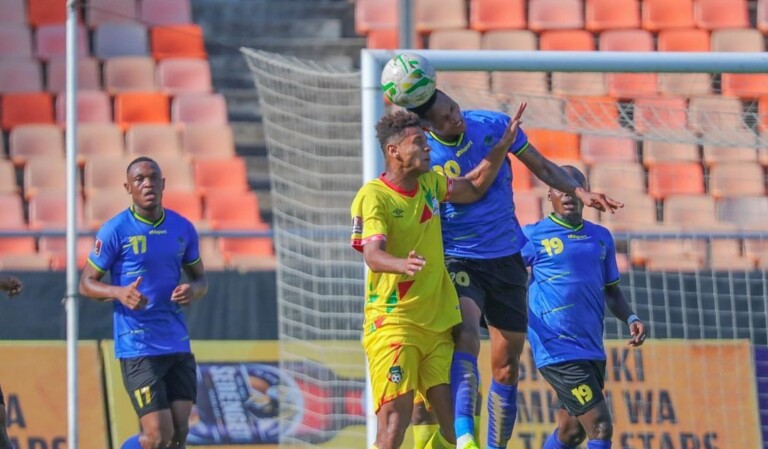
[[408, 80]]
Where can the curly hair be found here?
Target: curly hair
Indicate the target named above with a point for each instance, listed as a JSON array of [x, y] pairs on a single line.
[[393, 125]]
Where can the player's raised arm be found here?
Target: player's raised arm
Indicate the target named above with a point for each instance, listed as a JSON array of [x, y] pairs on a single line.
[[473, 185]]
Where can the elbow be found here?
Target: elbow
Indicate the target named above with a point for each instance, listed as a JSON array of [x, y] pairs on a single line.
[[82, 288]]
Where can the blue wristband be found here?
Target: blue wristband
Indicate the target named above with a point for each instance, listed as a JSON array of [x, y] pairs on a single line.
[[632, 318]]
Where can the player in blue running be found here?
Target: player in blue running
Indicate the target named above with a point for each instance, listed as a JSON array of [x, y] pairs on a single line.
[[573, 277], [482, 244], [144, 249]]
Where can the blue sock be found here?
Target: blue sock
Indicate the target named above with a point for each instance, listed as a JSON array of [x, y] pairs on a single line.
[[464, 382], [554, 443], [502, 412], [599, 444], [131, 443]]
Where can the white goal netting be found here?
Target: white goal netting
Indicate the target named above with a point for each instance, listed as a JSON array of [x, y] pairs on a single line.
[[689, 164]]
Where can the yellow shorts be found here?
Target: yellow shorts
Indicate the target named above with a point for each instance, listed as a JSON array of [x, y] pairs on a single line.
[[402, 359]]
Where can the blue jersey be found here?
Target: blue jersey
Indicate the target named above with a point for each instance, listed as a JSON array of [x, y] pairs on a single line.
[[570, 267], [128, 246], [488, 228]]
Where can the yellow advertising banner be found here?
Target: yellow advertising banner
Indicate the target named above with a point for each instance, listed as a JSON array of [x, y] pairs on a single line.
[[34, 380]]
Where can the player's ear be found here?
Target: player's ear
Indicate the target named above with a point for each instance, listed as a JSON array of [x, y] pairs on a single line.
[[549, 195], [127, 188]]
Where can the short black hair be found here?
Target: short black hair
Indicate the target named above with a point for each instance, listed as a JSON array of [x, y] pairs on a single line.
[[138, 160], [575, 174], [422, 109], [393, 125]]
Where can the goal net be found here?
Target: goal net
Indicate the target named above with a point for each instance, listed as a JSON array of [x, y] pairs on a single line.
[[683, 151]]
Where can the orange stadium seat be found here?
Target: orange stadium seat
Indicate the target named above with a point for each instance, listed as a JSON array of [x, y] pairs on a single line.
[[459, 40], [686, 84], [744, 85], [15, 40], [736, 179], [208, 141], [573, 83], [111, 40], [12, 217], [153, 140], [430, 15], [50, 41], [567, 40], [26, 108], [592, 113], [44, 175], [388, 38], [671, 178], [56, 249], [88, 74], [93, 106], [602, 15], [746, 212], [104, 173], [660, 152], [521, 176], [714, 14], [715, 114], [211, 254], [613, 176], [757, 251], [177, 41], [528, 207], [199, 108], [177, 76], [20, 75], [555, 14], [669, 255], [25, 261], [486, 15], [7, 177], [518, 82], [101, 205], [94, 140], [36, 141], [226, 175], [166, 12], [762, 110], [714, 155], [629, 85], [693, 212], [376, 15], [177, 172], [48, 210], [639, 212], [729, 256], [13, 11], [188, 204], [43, 12], [661, 117], [661, 15], [129, 73], [595, 149], [249, 254], [141, 107], [555, 144], [100, 12], [232, 209], [684, 39], [626, 40]]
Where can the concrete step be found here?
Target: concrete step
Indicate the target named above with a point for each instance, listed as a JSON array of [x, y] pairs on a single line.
[[242, 104]]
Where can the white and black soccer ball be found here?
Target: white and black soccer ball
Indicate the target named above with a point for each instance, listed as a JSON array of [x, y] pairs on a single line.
[[408, 80]]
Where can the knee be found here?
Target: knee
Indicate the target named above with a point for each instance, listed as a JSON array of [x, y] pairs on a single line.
[[601, 430], [467, 338], [572, 435], [156, 437], [391, 436]]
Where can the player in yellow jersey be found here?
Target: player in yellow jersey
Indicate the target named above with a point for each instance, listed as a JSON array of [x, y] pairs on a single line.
[[411, 304]]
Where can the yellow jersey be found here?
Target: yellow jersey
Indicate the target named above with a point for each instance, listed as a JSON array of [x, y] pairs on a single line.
[[407, 221]]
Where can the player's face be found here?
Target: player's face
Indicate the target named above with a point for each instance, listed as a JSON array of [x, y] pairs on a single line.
[[145, 183], [445, 117], [412, 152], [564, 204]]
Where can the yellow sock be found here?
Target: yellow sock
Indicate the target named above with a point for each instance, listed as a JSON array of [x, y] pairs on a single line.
[[477, 428], [422, 433], [438, 441]]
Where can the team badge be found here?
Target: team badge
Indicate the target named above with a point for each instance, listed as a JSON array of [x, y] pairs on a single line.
[[97, 247], [357, 225], [395, 374]]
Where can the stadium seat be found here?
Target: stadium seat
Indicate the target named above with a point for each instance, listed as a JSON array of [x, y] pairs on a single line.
[[111, 40], [166, 12], [141, 107], [715, 14], [153, 140], [129, 73], [661, 117], [638, 213], [199, 108], [661, 15], [48, 210], [389, 39], [714, 155], [26, 108], [32, 261], [762, 113], [602, 15], [762, 16], [232, 210], [566, 40], [487, 15], [747, 212], [748, 86], [88, 74], [519, 82], [35, 142], [521, 176], [431, 15], [757, 251], [737, 40], [573, 83], [93, 106], [211, 254], [693, 213], [249, 254], [7, 177], [15, 40], [44, 175], [596, 149], [101, 205], [459, 40], [736, 179], [555, 144], [43, 12], [626, 40], [728, 256], [715, 114], [177, 76], [629, 85], [104, 173], [100, 12], [212, 175], [684, 84], [95, 140], [592, 113], [672, 178], [186, 203], [669, 255], [13, 11], [50, 41], [208, 141], [684, 39], [555, 14], [12, 218], [20, 75], [177, 41], [615, 176], [661, 152], [528, 207], [376, 15], [177, 172], [56, 249]]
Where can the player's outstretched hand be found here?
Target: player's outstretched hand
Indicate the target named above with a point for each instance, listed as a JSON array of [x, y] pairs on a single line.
[[598, 200], [510, 134], [131, 297], [638, 333], [413, 264], [10, 285], [182, 294]]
